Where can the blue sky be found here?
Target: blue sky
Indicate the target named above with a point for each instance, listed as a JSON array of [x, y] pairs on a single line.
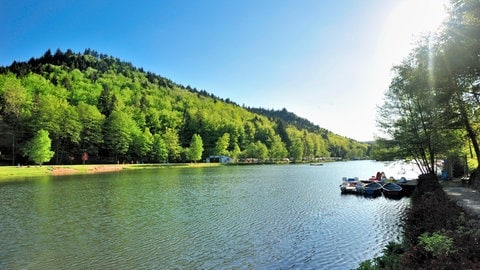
[[326, 61]]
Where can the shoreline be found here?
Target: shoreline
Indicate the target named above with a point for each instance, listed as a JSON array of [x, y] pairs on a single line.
[[15, 173]]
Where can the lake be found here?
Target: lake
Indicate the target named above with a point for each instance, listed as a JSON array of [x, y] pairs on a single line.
[[246, 217]]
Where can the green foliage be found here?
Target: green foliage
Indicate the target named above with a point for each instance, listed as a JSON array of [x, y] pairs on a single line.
[[410, 114], [296, 150], [221, 146], [16, 100], [367, 265], [436, 243], [432, 103], [119, 133], [278, 150], [194, 152], [391, 258], [92, 122], [38, 149], [256, 150], [171, 139], [94, 103], [142, 144], [159, 149]]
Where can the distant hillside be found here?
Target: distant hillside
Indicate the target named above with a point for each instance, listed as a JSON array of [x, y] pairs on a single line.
[[289, 118], [98, 106]]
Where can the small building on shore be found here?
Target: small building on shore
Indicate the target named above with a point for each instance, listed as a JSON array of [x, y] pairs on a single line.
[[219, 159]]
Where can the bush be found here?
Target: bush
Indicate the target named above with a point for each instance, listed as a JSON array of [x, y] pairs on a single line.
[[436, 243], [391, 258]]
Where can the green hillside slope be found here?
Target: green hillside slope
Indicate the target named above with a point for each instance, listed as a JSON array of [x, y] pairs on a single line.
[[105, 110]]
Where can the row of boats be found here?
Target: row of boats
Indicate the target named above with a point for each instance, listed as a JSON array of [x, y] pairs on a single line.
[[370, 187]]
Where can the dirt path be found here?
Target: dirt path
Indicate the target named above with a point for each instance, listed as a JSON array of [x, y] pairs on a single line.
[[465, 196], [89, 168]]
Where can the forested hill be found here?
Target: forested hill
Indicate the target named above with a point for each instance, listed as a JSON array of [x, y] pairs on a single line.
[[289, 118], [103, 109]]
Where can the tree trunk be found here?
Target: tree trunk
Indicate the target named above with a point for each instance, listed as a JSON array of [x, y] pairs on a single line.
[[470, 133]]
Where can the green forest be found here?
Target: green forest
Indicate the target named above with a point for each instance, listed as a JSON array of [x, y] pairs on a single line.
[[93, 108]]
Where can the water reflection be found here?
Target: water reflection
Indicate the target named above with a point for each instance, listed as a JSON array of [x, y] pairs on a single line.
[[227, 217]]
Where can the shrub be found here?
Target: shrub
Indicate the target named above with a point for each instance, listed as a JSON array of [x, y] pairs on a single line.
[[391, 258], [436, 243]]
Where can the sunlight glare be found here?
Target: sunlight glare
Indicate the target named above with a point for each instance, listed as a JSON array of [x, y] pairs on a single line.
[[408, 21]]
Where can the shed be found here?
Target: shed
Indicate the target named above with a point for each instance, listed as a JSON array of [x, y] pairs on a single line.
[[219, 159]]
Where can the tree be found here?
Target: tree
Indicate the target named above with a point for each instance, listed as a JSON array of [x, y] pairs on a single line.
[[142, 143], [92, 122], [320, 146], [296, 149], [235, 151], [159, 149], [221, 146], [38, 149], [119, 133], [170, 137], [147, 142], [308, 144], [16, 107], [459, 68], [194, 152], [261, 150], [256, 150], [411, 115], [278, 149]]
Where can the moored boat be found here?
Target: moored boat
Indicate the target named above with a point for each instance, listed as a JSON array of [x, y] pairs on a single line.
[[392, 189], [351, 185], [372, 188], [316, 164]]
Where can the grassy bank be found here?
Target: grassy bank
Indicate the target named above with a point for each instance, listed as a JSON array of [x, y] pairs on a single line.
[[13, 173], [438, 234]]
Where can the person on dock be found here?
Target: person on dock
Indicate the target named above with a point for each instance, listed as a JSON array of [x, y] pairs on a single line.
[[383, 177]]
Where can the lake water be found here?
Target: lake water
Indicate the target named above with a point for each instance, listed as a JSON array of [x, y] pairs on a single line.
[[246, 217]]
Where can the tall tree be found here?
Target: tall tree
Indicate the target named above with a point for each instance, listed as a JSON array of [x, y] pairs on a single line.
[[411, 115], [159, 149], [171, 139], [194, 152], [142, 144], [296, 149], [38, 149], [278, 149], [92, 122], [119, 133], [221, 146], [459, 68], [15, 106]]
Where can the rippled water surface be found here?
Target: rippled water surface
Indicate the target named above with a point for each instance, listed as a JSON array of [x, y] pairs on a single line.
[[261, 217]]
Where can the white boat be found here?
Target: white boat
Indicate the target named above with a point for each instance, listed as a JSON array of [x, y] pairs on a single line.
[[351, 185]]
